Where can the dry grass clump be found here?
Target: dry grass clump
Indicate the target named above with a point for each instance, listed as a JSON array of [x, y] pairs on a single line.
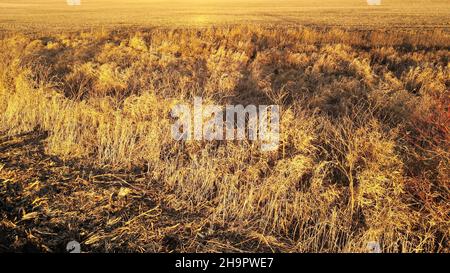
[[363, 152]]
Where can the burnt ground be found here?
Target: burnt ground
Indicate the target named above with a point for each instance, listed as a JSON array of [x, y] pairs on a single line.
[[46, 202]]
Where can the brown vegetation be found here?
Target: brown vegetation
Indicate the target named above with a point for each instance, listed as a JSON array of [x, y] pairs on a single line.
[[86, 151]]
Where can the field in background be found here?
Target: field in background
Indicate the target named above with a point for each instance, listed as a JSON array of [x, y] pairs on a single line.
[[53, 15], [86, 152]]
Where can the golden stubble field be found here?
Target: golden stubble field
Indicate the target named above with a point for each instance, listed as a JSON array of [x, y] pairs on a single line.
[[86, 152], [56, 14]]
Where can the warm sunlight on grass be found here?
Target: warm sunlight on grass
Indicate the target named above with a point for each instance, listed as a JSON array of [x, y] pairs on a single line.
[[86, 152], [364, 152]]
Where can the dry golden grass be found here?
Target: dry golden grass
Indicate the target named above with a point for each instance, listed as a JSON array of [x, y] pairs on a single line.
[[363, 153]]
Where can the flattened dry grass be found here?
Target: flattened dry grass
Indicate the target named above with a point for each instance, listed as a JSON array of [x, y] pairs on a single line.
[[363, 154]]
